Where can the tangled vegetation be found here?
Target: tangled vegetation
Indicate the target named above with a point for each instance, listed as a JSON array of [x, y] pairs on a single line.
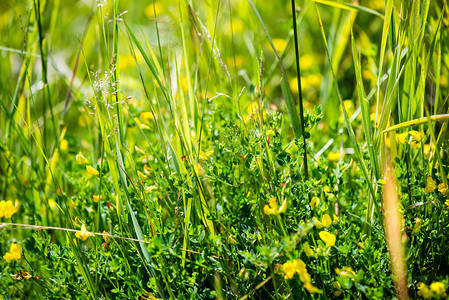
[[220, 149]]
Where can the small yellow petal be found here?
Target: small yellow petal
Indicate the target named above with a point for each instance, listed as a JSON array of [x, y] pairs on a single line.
[[328, 238], [81, 160], [92, 171], [327, 221]]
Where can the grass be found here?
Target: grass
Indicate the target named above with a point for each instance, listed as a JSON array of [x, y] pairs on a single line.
[[212, 150]]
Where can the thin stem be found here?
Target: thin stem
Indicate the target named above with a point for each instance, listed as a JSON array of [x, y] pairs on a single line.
[[301, 108]]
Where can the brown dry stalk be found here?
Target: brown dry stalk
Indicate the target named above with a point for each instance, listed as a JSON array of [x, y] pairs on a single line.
[[392, 222]]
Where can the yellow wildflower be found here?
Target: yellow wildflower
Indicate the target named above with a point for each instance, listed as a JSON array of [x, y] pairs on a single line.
[[437, 289], [335, 220], [442, 188], [401, 138], [272, 208], [146, 117], [92, 171], [288, 270], [83, 234], [150, 10], [314, 202], [7, 209], [279, 44], [307, 249], [97, 197], [81, 160], [64, 145], [205, 155], [317, 223], [327, 221], [15, 253], [335, 156], [328, 238], [416, 135], [431, 185]]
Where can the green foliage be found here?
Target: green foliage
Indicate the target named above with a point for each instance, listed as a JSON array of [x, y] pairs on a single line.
[[157, 150]]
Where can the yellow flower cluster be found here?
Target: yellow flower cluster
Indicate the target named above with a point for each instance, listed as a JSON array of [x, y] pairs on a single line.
[[432, 185], [7, 208], [328, 238], [83, 234], [15, 253], [435, 290], [416, 137], [290, 268], [272, 208], [326, 221]]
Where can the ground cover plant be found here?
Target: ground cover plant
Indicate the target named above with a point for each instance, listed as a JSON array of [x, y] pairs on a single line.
[[223, 149]]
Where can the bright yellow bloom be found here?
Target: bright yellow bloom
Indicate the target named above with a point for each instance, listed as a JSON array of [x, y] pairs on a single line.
[[416, 135], [328, 238], [327, 221], [84, 234], [307, 250], [335, 156], [317, 223], [437, 289], [92, 171], [401, 138], [205, 155], [146, 117], [64, 145], [431, 185], [81, 160], [335, 220], [314, 202], [442, 188], [7, 209], [150, 9], [272, 208], [97, 197], [288, 270], [15, 253]]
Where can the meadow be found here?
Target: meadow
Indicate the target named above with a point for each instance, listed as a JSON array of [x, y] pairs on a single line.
[[224, 149]]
